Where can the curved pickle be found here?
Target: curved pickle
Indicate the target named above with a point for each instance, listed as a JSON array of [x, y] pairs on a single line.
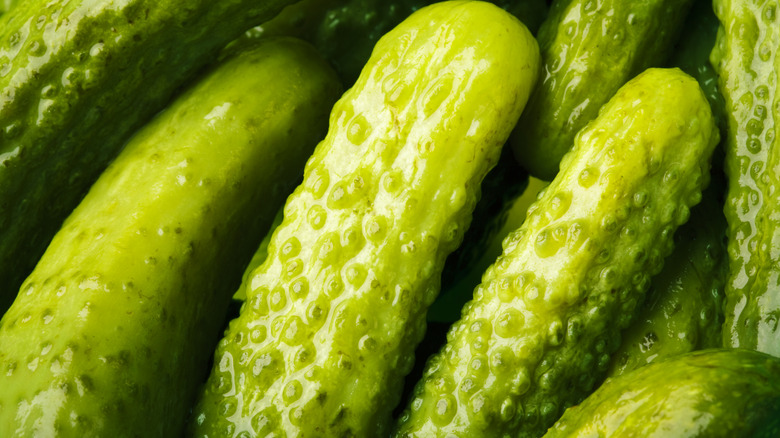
[[540, 330], [112, 332]]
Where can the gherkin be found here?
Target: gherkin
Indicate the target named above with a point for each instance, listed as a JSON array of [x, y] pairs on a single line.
[[332, 316], [112, 332], [540, 330]]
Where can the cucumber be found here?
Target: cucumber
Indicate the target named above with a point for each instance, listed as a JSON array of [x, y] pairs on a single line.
[[589, 49], [542, 325], [77, 77], [747, 62], [683, 310], [333, 315], [112, 332], [711, 393]]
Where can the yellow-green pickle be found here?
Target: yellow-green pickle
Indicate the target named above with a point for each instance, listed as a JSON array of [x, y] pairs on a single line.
[[544, 322], [332, 317], [77, 78], [112, 332]]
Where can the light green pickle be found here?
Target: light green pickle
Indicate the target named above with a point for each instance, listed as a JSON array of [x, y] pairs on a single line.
[[77, 79], [332, 317], [543, 324], [112, 332], [747, 62], [589, 49], [715, 393]]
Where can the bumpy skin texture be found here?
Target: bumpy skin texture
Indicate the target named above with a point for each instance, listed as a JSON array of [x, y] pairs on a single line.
[[114, 329], [708, 394], [76, 79], [683, 309], [748, 64], [333, 315], [540, 330], [589, 49]]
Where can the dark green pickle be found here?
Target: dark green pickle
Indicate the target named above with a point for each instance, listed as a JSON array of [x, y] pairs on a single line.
[[542, 325], [589, 49]]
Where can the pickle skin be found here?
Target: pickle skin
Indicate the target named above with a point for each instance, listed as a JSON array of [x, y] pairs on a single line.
[[714, 393], [540, 330], [333, 315], [683, 310], [111, 334], [745, 57]]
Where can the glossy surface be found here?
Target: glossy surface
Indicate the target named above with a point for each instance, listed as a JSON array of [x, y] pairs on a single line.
[[589, 49], [112, 332], [77, 78], [540, 330], [706, 394], [683, 310], [746, 59], [334, 314]]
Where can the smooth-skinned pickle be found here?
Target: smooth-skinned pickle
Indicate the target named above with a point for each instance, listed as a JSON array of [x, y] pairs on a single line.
[[77, 78], [590, 48], [746, 59], [333, 315], [112, 333], [542, 326]]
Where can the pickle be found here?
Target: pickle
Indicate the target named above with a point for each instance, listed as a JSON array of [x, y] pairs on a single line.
[[333, 315], [542, 325], [112, 332]]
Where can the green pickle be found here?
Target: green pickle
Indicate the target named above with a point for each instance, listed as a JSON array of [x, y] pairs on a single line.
[[113, 331], [747, 62], [589, 49], [543, 324], [77, 79], [333, 315], [715, 393]]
